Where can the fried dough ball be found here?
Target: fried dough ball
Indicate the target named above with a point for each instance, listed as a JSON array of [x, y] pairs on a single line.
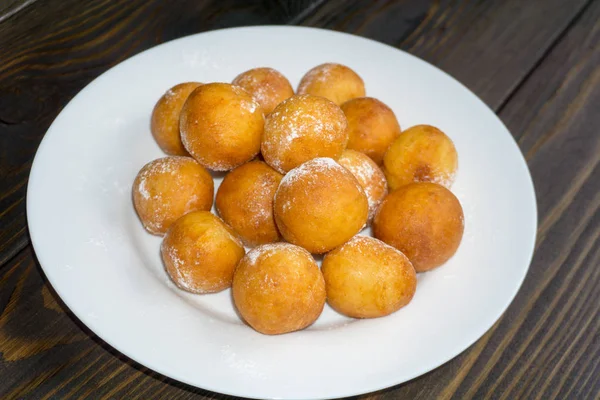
[[200, 253], [424, 221], [164, 123], [302, 128], [372, 126], [268, 86], [366, 278], [169, 187], [245, 201], [221, 126], [320, 205], [422, 153], [368, 174], [335, 82], [278, 288]]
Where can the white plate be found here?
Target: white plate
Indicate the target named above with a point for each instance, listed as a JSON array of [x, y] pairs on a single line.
[[107, 269]]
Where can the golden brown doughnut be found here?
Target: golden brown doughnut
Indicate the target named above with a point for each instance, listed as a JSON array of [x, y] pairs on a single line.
[[422, 153], [366, 278], [320, 205], [221, 126], [200, 253], [368, 174], [245, 201], [169, 187], [424, 221], [372, 126], [164, 123], [268, 86], [335, 82], [278, 288], [302, 128]]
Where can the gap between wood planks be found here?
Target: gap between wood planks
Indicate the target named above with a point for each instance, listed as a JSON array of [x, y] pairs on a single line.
[[9, 13]]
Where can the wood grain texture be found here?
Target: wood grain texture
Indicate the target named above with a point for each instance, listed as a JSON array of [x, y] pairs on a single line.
[[540, 70]]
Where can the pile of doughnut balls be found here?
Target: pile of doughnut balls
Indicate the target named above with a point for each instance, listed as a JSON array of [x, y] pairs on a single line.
[[307, 171]]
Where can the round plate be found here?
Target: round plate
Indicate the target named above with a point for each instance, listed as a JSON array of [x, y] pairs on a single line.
[[107, 269]]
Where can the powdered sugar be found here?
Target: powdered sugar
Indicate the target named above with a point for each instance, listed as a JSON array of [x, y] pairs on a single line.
[[165, 165], [268, 87], [318, 120], [445, 180], [320, 73], [259, 83], [169, 94], [143, 189], [267, 250], [316, 165], [181, 269], [235, 239], [368, 174], [152, 201], [311, 172], [261, 208], [182, 278], [374, 245]]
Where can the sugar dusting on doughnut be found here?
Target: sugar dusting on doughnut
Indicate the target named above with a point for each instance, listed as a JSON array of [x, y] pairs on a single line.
[[320, 73], [268, 87], [359, 242], [310, 172], [335, 82], [248, 104], [267, 250], [162, 191], [368, 174], [165, 165], [303, 127]]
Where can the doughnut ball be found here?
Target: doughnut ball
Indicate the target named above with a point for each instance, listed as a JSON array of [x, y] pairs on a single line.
[[200, 253], [320, 205], [167, 188], [268, 86], [335, 82], [302, 128], [245, 202], [422, 153], [366, 278], [368, 174], [221, 126], [164, 123], [424, 221], [278, 288], [372, 126]]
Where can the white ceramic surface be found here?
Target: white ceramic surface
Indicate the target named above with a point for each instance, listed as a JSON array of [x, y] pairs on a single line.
[[107, 269]]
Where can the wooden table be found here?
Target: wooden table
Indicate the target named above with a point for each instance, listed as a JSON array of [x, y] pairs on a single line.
[[536, 63]]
